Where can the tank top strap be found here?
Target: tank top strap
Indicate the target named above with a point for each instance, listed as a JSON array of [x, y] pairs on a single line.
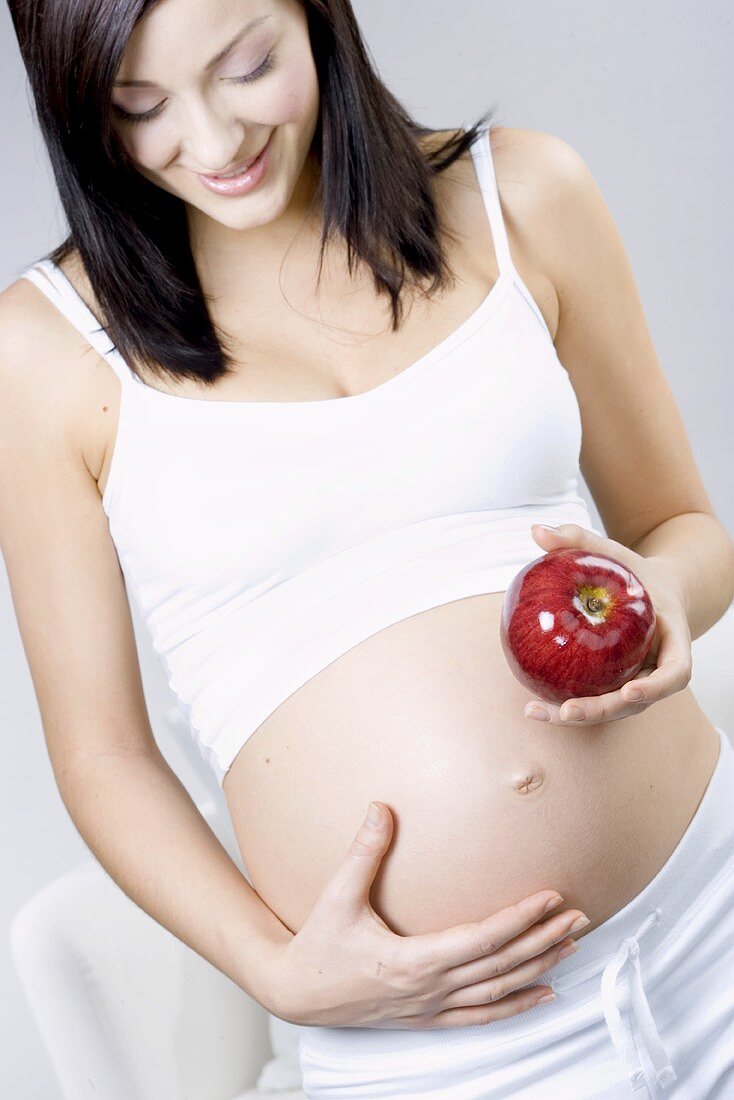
[[484, 163], [51, 280]]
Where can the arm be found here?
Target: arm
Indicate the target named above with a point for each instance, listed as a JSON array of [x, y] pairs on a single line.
[[635, 454], [74, 618], [701, 555], [140, 822]]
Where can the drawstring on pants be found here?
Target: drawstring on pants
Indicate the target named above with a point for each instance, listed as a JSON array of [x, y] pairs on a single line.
[[620, 1030]]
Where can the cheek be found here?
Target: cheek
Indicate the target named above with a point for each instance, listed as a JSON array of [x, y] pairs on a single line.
[[148, 149], [298, 93]]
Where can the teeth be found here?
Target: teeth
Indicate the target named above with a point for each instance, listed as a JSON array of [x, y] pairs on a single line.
[[231, 175], [237, 171]]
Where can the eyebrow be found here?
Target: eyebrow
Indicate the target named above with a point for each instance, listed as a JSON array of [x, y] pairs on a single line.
[[247, 29]]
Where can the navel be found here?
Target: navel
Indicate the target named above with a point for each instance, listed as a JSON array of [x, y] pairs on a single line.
[[529, 780]]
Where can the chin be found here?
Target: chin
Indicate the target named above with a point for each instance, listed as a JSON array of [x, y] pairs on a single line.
[[245, 213]]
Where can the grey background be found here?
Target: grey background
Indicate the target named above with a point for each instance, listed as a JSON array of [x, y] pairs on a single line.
[[641, 90]]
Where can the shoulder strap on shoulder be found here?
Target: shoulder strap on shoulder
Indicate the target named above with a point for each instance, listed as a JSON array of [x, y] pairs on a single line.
[[50, 279], [484, 162]]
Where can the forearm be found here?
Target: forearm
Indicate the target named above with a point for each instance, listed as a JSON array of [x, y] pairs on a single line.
[[140, 822], [701, 554]]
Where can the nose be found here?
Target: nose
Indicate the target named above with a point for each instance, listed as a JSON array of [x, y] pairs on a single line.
[[211, 141]]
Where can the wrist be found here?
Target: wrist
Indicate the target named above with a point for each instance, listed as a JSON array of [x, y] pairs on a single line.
[[671, 568], [254, 946], [697, 554]]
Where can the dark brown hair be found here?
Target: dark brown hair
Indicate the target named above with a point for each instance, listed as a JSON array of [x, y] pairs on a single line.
[[132, 236]]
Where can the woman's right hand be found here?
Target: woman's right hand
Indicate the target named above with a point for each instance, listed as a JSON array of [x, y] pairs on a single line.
[[346, 968]]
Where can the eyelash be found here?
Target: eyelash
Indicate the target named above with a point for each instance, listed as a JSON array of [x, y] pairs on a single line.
[[261, 70]]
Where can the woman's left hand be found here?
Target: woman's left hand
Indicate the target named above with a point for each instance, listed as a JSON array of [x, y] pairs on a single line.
[[668, 665]]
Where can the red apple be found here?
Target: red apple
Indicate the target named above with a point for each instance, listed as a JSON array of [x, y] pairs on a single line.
[[575, 623]]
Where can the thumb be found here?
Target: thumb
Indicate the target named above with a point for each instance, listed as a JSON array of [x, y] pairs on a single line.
[[356, 873], [571, 536], [568, 534]]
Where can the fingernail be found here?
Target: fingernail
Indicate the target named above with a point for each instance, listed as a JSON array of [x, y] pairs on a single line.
[[540, 714], [568, 950], [634, 694], [580, 923], [546, 999], [552, 903], [572, 714], [373, 815]]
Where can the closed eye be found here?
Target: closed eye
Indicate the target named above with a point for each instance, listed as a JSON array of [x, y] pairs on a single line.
[[261, 70]]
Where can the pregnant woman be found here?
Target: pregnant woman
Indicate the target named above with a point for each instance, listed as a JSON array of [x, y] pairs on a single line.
[[303, 381]]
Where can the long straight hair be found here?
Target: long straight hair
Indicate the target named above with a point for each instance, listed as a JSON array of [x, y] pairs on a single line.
[[132, 236]]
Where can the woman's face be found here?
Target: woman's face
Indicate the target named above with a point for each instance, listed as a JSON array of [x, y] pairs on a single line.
[[202, 117]]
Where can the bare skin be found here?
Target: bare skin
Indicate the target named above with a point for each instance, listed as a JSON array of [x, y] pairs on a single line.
[[422, 716], [488, 806]]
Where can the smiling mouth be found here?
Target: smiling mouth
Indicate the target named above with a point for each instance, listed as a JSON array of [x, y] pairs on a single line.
[[236, 171]]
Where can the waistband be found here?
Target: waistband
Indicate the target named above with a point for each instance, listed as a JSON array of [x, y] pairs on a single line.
[[692, 874]]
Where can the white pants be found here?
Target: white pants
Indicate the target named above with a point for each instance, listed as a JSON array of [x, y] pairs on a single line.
[[645, 1007]]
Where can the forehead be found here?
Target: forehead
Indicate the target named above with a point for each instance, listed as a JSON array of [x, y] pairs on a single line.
[[199, 33]]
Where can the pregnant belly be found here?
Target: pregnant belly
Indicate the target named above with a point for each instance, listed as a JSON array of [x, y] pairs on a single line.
[[488, 806]]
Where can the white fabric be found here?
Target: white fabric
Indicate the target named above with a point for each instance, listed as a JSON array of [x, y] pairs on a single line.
[[262, 540], [621, 1033]]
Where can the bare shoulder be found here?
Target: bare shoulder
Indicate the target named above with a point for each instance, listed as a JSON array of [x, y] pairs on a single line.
[[536, 172], [541, 179], [47, 366], [534, 158], [34, 350]]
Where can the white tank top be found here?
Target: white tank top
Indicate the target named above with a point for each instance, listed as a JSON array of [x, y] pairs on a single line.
[[263, 539]]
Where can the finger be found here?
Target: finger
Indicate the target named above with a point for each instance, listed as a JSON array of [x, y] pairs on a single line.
[[464, 942], [674, 664], [494, 989], [512, 1005], [613, 705], [672, 673], [349, 886], [535, 941], [584, 711]]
